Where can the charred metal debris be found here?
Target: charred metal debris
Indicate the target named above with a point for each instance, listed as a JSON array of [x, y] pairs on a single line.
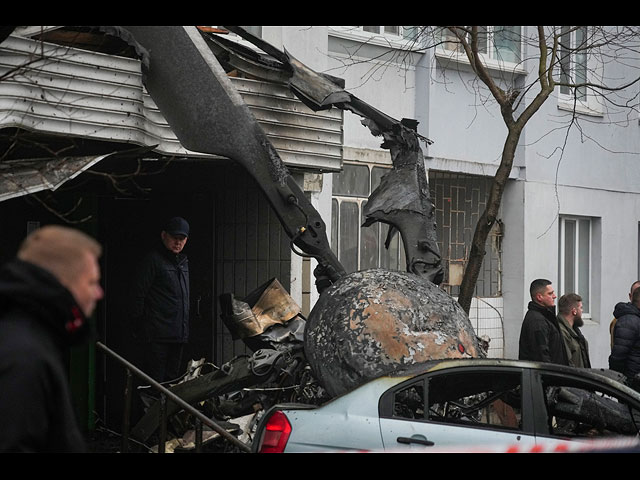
[[397, 319], [388, 330], [236, 394], [402, 199]]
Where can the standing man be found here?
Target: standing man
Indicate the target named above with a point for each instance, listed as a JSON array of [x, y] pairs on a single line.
[[540, 338], [161, 303], [634, 285], [625, 353], [46, 295], [570, 321]]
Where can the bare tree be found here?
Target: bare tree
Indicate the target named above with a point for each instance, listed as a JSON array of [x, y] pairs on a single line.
[[575, 60], [555, 48]]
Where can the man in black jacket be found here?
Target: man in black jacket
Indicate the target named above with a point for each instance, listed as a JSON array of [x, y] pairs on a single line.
[[540, 337], [46, 295], [161, 303], [625, 352]]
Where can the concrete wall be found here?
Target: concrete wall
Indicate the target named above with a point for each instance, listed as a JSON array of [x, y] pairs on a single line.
[[595, 175]]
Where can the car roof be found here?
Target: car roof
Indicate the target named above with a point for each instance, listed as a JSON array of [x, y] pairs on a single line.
[[610, 377], [432, 365]]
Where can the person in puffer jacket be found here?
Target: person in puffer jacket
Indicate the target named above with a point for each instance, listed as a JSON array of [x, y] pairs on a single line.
[[625, 352]]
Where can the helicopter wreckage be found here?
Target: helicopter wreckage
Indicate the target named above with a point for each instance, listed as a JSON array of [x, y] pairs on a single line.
[[365, 324]]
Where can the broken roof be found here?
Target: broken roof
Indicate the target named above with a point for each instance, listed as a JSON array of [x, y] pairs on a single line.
[[65, 83]]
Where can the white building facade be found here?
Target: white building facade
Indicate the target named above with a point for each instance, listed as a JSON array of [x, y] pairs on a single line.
[[571, 209]]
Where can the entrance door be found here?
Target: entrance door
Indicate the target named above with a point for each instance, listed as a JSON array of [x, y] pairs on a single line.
[[130, 228]]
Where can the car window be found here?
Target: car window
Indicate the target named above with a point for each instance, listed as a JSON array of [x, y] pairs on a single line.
[[578, 408], [409, 402], [479, 398]]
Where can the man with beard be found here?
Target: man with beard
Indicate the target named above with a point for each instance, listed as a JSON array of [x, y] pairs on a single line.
[[570, 321]]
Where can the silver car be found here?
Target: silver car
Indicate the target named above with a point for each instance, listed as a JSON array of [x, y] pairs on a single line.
[[449, 404]]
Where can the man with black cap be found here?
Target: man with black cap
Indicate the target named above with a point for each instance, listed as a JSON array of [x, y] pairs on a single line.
[[161, 303]]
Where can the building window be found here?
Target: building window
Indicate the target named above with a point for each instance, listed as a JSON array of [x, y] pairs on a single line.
[[574, 269], [573, 61], [460, 199], [357, 247], [507, 43], [499, 44], [256, 31], [394, 37], [394, 31]]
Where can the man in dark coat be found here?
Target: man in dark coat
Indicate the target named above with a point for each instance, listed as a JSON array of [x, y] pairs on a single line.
[[540, 337], [625, 352], [46, 295], [160, 312]]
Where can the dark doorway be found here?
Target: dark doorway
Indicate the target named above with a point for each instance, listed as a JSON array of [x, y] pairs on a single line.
[[129, 228], [236, 244]]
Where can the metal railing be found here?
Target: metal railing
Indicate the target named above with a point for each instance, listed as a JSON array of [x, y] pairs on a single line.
[[165, 396]]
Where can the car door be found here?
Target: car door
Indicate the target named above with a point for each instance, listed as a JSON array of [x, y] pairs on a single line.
[[472, 408]]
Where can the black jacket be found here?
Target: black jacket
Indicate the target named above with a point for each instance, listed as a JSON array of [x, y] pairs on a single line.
[[160, 310], [540, 337], [625, 352], [39, 320]]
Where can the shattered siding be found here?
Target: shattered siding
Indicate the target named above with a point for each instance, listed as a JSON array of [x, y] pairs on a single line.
[[61, 90]]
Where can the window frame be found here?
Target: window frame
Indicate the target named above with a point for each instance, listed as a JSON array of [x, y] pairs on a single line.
[[567, 100], [587, 302], [382, 30], [572, 32], [393, 258], [489, 58], [387, 40], [387, 399]]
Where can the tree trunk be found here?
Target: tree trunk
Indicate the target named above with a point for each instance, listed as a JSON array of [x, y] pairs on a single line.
[[487, 220]]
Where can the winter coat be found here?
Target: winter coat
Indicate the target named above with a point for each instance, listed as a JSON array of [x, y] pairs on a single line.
[[575, 343], [625, 353], [39, 320], [540, 337], [160, 310]]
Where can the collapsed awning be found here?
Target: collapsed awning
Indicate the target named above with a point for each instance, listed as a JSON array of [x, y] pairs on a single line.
[[69, 92], [22, 177]]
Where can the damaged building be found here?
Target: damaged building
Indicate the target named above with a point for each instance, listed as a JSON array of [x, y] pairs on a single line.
[[84, 142]]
